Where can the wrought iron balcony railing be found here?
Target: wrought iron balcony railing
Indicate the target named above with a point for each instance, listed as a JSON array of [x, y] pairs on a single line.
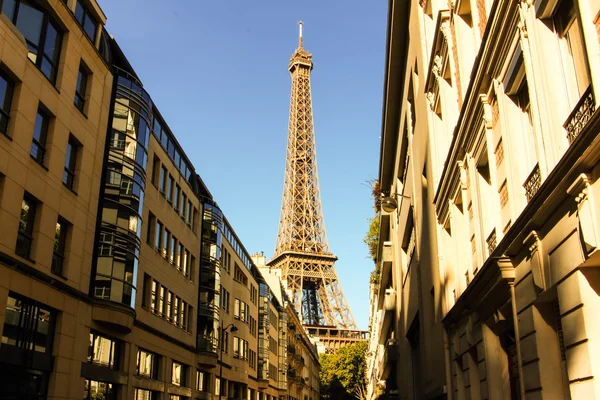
[[492, 242], [533, 183], [580, 115]]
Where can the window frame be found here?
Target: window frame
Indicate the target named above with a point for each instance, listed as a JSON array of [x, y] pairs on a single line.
[[7, 103], [40, 142], [71, 162], [40, 54], [81, 89], [59, 248], [84, 17], [113, 361], [26, 234], [153, 363]]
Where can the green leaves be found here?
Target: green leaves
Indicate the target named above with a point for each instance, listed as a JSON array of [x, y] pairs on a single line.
[[343, 372]]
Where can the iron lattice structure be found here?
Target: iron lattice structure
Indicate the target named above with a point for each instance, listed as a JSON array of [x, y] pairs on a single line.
[[302, 252]]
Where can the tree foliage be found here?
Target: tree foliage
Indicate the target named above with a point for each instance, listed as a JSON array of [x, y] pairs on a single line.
[[343, 373]]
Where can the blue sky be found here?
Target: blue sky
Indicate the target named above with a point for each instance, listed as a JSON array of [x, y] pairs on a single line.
[[217, 71]]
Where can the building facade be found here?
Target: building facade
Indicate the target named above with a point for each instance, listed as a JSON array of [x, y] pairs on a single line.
[[120, 277], [489, 226]]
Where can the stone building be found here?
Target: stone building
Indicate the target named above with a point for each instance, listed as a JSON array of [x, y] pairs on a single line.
[[489, 227], [120, 277]]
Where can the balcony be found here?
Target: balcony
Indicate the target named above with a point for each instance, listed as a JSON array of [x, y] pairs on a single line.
[[386, 267], [580, 115], [390, 356], [492, 242], [389, 308], [532, 183]]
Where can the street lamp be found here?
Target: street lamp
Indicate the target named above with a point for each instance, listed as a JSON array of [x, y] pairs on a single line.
[[232, 328], [390, 203]]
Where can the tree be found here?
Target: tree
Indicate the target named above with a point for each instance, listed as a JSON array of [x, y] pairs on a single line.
[[343, 373]]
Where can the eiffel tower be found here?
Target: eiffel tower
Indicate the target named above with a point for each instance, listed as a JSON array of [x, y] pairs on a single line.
[[302, 253]]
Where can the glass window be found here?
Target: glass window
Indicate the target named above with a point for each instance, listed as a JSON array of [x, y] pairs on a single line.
[[95, 390], [60, 239], [85, 19], [146, 364], [183, 203], [6, 93], [178, 374], [176, 310], [186, 261], [572, 48], [170, 189], [40, 133], [161, 301], [180, 255], [202, 381], [168, 309], [158, 235], [172, 249], [81, 87], [70, 162], [142, 394], [41, 34], [28, 324], [189, 213], [163, 180], [166, 237], [102, 350], [26, 221], [154, 297], [176, 197]]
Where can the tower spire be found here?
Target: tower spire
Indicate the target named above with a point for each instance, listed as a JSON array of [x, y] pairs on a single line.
[[302, 252]]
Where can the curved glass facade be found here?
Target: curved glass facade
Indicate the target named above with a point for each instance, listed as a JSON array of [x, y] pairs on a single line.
[[210, 279], [122, 194]]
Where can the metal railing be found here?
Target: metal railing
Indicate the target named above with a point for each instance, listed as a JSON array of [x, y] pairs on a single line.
[[580, 115], [533, 183]]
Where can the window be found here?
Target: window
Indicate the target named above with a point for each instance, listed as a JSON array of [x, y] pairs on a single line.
[[176, 310], [572, 49], [26, 221], [239, 276], [166, 239], [60, 239], [186, 263], [81, 87], [146, 364], [161, 301], [180, 255], [253, 294], [240, 348], [40, 133], [188, 218], [183, 317], [158, 235], [41, 34], [224, 341], [6, 93], [172, 249], [142, 394], [202, 381], [95, 390], [28, 324], [102, 351], [85, 19], [176, 198], [70, 163], [224, 299], [155, 170], [163, 180], [154, 297], [178, 374], [168, 309], [183, 203], [170, 189]]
